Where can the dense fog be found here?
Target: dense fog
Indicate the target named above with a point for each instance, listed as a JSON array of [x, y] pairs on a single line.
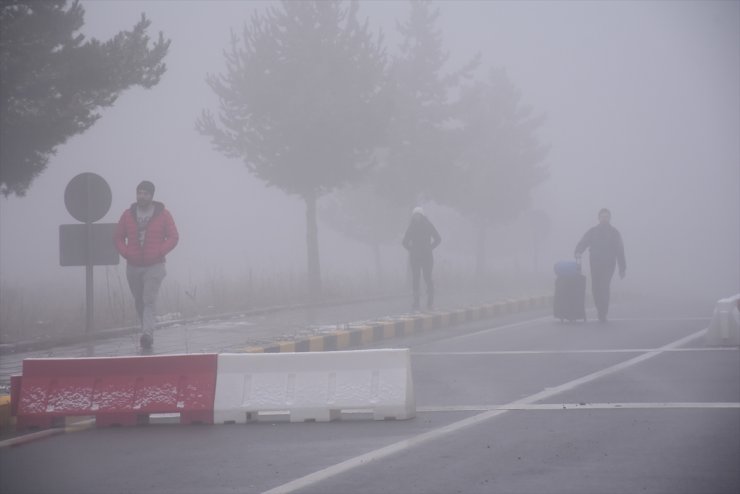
[[642, 106]]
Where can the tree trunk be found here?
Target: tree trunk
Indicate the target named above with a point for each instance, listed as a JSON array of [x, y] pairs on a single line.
[[312, 245], [535, 254], [480, 253], [378, 266]]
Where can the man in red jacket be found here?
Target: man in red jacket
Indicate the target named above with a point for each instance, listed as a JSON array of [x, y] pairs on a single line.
[[145, 234]]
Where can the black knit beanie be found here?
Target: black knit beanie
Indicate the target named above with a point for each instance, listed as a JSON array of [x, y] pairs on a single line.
[[147, 186]]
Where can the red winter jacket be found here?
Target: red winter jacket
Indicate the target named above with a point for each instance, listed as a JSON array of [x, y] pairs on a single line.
[[161, 236]]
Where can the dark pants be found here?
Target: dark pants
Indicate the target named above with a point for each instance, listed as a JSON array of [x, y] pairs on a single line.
[[601, 279], [422, 264]]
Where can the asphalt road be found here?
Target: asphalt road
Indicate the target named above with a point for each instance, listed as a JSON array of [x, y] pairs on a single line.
[[520, 404]]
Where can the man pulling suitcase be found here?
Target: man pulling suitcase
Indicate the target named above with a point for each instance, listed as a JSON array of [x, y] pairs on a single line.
[[606, 251]]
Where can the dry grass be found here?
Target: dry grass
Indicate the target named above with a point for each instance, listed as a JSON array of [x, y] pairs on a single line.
[[44, 311]]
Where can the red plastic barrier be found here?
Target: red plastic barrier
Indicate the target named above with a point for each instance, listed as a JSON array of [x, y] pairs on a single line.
[[117, 390]]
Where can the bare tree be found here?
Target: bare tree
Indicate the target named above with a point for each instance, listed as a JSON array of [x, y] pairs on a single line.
[[359, 213], [501, 157], [422, 137], [301, 103]]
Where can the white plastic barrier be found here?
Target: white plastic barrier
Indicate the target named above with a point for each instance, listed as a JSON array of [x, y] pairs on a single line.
[[320, 386], [724, 329]]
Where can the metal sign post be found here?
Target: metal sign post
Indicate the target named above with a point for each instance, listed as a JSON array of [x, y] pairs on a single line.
[[89, 298], [88, 198]]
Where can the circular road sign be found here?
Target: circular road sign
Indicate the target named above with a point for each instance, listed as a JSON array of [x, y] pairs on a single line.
[[87, 197]]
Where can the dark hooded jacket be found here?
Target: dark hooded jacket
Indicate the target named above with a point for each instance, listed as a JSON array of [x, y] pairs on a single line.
[[605, 247], [421, 237]]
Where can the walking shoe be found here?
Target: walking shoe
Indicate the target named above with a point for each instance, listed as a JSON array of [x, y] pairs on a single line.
[[146, 341]]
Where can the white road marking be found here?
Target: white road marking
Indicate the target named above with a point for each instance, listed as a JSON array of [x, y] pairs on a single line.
[[33, 436], [557, 352], [498, 328], [576, 406], [431, 435], [662, 319], [550, 318], [27, 438]]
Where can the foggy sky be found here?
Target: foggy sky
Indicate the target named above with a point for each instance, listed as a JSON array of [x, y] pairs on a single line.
[[642, 101]]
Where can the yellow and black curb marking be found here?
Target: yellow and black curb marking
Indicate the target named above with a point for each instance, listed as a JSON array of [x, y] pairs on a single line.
[[358, 335], [5, 412]]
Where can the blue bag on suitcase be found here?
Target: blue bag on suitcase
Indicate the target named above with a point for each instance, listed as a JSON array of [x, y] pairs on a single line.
[[567, 268]]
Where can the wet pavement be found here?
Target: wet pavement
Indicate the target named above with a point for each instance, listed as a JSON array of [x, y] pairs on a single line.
[[240, 331], [518, 403]]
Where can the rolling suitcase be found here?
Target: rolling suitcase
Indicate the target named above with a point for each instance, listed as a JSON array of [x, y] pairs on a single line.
[[569, 303]]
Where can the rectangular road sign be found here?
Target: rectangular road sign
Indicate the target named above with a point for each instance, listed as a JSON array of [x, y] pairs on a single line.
[[73, 244]]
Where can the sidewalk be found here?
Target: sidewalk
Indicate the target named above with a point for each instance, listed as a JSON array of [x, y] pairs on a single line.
[[273, 312], [295, 328], [338, 326]]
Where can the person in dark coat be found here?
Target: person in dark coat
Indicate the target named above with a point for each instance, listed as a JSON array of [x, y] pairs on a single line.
[[420, 240], [606, 251]]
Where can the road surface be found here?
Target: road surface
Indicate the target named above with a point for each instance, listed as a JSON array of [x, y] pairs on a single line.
[[518, 404]]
